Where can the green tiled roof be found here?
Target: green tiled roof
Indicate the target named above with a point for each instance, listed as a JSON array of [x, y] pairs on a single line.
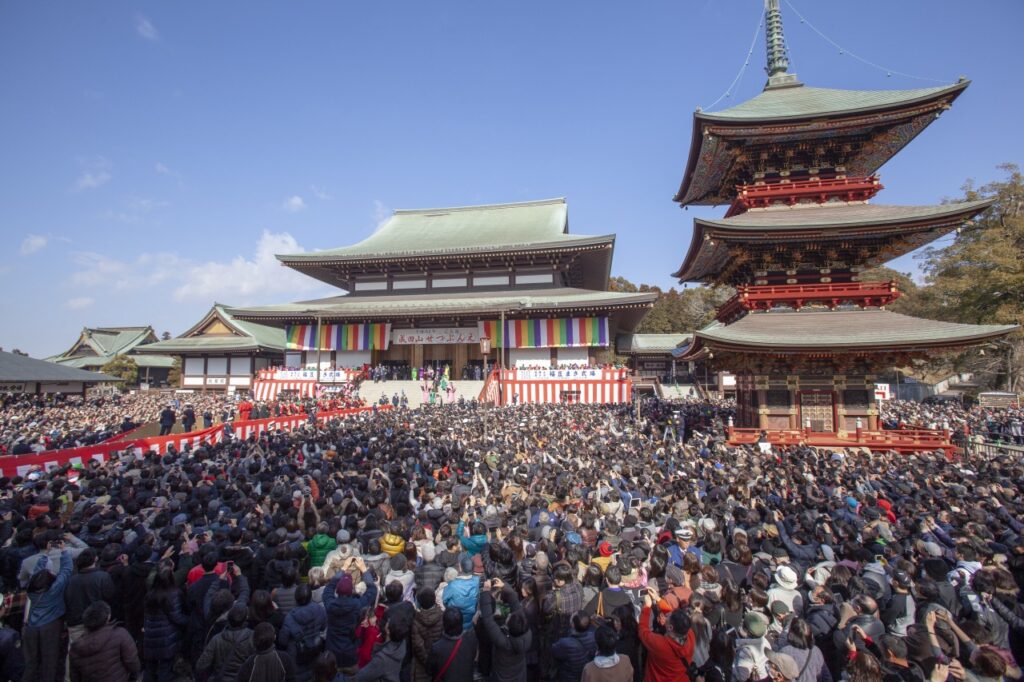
[[650, 343], [253, 337], [156, 361], [446, 303], [468, 229], [803, 101], [802, 215], [839, 329]]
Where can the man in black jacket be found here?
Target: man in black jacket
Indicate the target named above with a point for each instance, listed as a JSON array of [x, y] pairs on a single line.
[[453, 656], [90, 584], [167, 420]]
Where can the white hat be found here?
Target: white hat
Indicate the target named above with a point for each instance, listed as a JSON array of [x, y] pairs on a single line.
[[785, 576]]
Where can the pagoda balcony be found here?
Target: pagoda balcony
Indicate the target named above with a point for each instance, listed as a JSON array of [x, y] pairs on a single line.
[[766, 297], [792, 192]]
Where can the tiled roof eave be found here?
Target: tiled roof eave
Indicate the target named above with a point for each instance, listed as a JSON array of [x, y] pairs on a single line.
[[299, 261]]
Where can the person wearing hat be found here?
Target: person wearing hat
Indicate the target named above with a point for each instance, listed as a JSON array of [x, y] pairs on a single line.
[[751, 660], [344, 607], [683, 543], [782, 667], [785, 589], [899, 613]]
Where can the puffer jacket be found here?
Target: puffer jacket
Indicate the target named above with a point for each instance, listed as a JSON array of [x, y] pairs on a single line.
[[319, 547], [161, 639], [427, 628], [105, 655], [303, 623], [392, 544], [463, 592], [267, 666], [226, 653], [46, 607], [343, 613], [386, 664], [509, 662]]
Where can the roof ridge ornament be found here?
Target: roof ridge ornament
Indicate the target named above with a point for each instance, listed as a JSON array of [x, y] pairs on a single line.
[[775, 45]]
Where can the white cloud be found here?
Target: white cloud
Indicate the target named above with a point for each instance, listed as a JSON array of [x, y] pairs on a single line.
[[293, 204], [243, 280], [33, 243], [162, 169], [95, 173], [78, 303], [320, 194], [381, 214], [145, 28]]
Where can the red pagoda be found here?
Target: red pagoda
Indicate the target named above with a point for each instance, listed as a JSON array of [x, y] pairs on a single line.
[[804, 334]]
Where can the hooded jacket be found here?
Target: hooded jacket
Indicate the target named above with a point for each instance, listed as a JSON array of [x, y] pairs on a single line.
[[473, 544], [267, 666], [319, 547], [667, 659], [104, 655], [463, 592], [46, 607], [303, 623], [343, 613]]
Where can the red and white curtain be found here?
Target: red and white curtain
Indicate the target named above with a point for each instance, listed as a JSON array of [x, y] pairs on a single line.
[[269, 390], [566, 386]]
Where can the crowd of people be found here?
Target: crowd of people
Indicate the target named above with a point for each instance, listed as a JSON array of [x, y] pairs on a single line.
[[992, 424], [534, 542], [36, 423]]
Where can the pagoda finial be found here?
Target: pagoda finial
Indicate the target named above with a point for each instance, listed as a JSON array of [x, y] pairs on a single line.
[[775, 43]]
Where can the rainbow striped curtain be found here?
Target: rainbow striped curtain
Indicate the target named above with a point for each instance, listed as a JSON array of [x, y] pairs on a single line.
[[553, 333], [372, 336]]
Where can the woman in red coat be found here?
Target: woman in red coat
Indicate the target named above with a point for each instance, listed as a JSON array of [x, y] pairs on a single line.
[[668, 656]]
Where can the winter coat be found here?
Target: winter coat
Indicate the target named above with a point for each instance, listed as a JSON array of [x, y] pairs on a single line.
[[667, 659], [226, 653], [509, 660], [135, 586], [461, 666], [572, 653], [46, 607], [392, 544], [426, 629], [463, 592], [473, 544], [267, 666], [319, 547], [104, 655], [822, 618], [84, 588], [428, 576], [162, 638], [621, 671], [342, 619], [386, 664], [815, 670], [302, 624]]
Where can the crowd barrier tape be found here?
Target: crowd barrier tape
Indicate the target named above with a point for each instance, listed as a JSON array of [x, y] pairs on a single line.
[[20, 465]]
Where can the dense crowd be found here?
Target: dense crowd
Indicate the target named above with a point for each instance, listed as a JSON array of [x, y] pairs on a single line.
[[536, 542], [1005, 424], [34, 423]]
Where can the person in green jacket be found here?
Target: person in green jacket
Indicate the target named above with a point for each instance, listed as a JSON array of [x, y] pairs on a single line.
[[320, 545]]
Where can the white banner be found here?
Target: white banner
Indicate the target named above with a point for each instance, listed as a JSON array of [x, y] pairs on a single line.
[[557, 374], [327, 376], [409, 337], [12, 387]]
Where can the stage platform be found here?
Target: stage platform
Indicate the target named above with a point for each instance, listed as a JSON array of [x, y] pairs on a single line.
[[902, 440]]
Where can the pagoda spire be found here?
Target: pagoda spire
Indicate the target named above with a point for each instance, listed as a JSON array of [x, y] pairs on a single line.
[[775, 44]]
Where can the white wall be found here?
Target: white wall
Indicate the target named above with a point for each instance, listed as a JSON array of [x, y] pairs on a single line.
[[240, 366], [216, 366], [527, 357], [573, 356]]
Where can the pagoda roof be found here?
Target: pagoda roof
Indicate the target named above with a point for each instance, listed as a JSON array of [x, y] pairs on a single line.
[[20, 368], [870, 126], [638, 344], [835, 331], [538, 301], [900, 228], [220, 331], [96, 346]]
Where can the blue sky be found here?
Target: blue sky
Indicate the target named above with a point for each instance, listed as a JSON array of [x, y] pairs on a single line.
[[156, 155]]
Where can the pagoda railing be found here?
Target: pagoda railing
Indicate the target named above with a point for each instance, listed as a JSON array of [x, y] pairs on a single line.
[[792, 192], [767, 296]]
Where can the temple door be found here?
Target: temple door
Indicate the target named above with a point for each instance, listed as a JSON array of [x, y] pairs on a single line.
[[817, 409]]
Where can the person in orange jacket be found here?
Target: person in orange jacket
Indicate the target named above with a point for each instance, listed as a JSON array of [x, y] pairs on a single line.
[[669, 656]]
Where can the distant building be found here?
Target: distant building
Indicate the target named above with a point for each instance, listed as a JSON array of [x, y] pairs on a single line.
[[22, 374], [96, 346], [221, 352]]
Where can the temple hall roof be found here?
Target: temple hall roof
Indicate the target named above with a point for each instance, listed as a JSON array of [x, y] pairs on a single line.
[[220, 331], [638, 344]]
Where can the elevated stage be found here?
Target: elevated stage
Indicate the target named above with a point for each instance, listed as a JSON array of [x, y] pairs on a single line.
[[901, 440]]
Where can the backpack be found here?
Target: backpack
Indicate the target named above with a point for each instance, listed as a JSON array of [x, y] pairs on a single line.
[[308, 648]]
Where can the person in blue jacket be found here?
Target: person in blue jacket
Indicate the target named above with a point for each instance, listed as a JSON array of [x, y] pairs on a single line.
[[343, 607], [474, 543], [464, 592], [41, 638]]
